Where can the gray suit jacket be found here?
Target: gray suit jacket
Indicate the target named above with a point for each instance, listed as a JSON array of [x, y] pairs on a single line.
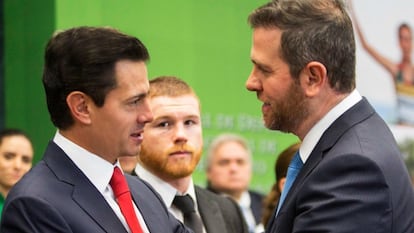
[[354, 181], [55, 196], [219, 214]]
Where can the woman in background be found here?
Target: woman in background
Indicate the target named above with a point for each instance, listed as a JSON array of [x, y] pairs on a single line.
[[16, 156]]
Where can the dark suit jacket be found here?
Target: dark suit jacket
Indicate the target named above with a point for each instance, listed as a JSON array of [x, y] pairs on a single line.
[[354, 181], [55, 196], [256, 204], [219, 214]]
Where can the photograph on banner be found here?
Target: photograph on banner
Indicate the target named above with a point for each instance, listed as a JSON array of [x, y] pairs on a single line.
[[385, 69]]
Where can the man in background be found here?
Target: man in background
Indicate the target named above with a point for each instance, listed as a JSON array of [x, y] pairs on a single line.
[[170, 152], [229, 172]]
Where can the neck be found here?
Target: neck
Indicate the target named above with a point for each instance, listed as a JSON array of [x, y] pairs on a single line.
[[181, 184], [317, 110], [235, 195], [4, 191]]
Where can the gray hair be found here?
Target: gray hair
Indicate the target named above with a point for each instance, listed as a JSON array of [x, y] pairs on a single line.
[[223, 139]]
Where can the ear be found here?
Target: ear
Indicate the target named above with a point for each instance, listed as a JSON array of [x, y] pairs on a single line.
[[78, 104], [313, 78]]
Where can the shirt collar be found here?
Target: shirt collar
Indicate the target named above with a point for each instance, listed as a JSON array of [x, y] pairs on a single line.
[[166, 191], [96, 169], [244, 200], [313, 136]]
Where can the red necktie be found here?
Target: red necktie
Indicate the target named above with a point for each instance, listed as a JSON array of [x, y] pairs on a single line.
[[123, 197]]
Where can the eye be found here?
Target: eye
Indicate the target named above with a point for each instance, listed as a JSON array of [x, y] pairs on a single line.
[[190, 122], [241, 162], [223, 162], [8, 155], [163, 124], [135, 101], [265, 71], [26, 159]]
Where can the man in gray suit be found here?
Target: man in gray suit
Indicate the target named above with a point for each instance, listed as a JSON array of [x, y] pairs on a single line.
[[170, 152], [229, 168], [350, 175]]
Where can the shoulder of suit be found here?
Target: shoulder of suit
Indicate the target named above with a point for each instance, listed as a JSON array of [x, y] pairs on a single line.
[[224, 202], [134, 181]]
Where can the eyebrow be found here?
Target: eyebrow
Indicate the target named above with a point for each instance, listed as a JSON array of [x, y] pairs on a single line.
[[262, 66], [168, 117], [138, 96]]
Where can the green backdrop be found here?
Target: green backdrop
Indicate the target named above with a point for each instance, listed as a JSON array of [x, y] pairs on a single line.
[[206, 43]]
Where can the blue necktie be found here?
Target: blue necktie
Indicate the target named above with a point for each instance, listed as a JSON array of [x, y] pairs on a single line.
[[293, 170]]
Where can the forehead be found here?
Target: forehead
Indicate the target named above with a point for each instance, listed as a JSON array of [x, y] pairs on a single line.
[[185, 105], [17, 143], [266, 42], [130, 73], [14, 140], [231, 149]]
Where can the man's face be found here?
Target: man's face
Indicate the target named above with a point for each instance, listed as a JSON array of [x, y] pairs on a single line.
[[16, 155], [284, 104], [118, 125], [230, 169], [173, 141]]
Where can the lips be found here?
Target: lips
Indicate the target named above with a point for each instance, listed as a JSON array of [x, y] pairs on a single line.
[[181, 153], [266, 107], [137, 136]]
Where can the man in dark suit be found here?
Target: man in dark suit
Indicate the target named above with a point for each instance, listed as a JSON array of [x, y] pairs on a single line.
[[350, 175], [96, 89], [229, 171], [170, 152]]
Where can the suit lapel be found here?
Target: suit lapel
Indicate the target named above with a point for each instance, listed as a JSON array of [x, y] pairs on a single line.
[[210, 213], [84, 193], [147, 203], [256, 206]]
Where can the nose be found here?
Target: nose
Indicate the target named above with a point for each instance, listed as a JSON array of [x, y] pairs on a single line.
[[17, 163], [180, 134], [145, 115], [252, 82], [234, 167]]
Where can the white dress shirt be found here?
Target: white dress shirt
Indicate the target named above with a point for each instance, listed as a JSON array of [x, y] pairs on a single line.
[[313, 136], [244, 204], [168, 192], [99, 173]]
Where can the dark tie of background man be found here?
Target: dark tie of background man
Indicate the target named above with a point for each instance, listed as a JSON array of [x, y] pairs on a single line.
[[191, 219]]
